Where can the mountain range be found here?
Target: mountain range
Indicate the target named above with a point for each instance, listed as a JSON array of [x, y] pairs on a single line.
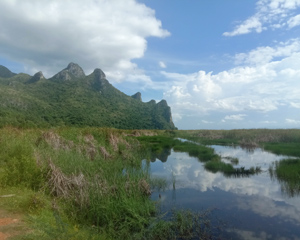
[[71, 98]]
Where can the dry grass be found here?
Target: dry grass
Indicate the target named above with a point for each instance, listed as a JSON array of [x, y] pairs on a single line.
[[105, 154], [144, 187], [67, 186], [55, 141]]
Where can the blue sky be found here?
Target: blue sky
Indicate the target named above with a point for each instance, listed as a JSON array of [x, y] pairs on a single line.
[[219, 64]]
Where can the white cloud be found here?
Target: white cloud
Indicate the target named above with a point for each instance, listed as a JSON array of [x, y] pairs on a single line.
[[207, 122], [247, 26], [272, 14], [162, 64], [294, 21], [266, 54], [237, 117], [295, 105], [248, 89], [99, 33], [292, 121], [268, 122]]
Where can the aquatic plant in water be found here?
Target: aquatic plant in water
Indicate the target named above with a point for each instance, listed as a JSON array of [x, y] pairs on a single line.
[[287, 172]]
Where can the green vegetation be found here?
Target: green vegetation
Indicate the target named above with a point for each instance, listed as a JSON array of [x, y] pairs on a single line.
[[184, 224], [87, 183], [203, 153], [229, 171], [278, 141], [81, 101], [159, 143], [90, 183], [288, 149], [233, 160], [76, 182], [218, 166], [287, 172]]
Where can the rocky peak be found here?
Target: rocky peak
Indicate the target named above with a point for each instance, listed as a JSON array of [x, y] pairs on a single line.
[[5, 72], [39, 75], [99, 82], [137, 96], [99, 74], [165, 110], [163, 103], [36, 77], [73, 70]]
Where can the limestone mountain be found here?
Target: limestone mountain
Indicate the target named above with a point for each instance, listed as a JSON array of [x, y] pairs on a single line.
[[5, 72], [70, 98], [137, 96]]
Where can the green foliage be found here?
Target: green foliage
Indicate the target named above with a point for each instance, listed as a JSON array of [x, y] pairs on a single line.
[[289, 149], [218, 166], [229, 171], [81, 102], [238, 136], [183, 224], [203, 153], [287, 172], [19, 167], [93, 176], [161, 142]]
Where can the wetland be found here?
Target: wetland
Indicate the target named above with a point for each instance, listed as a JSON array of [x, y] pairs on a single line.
[[101, 183]]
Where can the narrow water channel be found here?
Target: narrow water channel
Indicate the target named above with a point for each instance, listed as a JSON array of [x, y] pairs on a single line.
[[252, 207]]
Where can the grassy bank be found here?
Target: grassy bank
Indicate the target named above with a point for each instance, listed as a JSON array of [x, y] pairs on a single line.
[[278, 141], [74, 183], [89, 183], [287, 172], [158, 144]]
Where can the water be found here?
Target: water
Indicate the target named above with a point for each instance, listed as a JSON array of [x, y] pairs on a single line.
[[254, 207]]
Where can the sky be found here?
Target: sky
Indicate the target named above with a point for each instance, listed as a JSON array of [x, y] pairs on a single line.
[[219, 64]]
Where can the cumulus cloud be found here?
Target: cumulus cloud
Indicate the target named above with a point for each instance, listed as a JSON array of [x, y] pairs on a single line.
[[207, 122], [98, 33], [162, 64], [237, 117], [272, 14], [246, 89], [294, 21], [251, 24], [266, 54], [292, 121]]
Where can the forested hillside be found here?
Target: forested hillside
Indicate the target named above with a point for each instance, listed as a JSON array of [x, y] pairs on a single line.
[[70, 98]]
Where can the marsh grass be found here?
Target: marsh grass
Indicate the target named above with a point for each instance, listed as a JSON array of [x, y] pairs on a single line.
[[157, 144], [229, 171], [287, 172], [77, 181], [203, 153], [233, 160], [158, 183], [184, 224], [244, 137], [288, 149]]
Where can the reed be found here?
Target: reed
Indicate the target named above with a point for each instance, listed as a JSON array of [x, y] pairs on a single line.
[[287, 172], [93, 177]]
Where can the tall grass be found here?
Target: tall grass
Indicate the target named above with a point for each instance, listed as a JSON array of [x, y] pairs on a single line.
[[158, 144], [287, 172], [278, 141], [288, 149], [94, 177], [239, 135]]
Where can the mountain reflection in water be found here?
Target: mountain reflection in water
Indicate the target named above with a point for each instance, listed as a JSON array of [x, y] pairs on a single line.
[[254, 207]]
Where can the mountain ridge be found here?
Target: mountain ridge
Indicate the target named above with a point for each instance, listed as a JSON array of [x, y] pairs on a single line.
[[71, 98]]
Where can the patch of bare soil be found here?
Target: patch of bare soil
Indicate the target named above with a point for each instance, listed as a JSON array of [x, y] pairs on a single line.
[[10, 225]]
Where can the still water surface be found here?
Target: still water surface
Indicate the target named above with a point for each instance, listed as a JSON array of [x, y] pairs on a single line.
[[252, 207]]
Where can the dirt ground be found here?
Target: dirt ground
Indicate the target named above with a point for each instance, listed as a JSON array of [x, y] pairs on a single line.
[[10, 225]]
